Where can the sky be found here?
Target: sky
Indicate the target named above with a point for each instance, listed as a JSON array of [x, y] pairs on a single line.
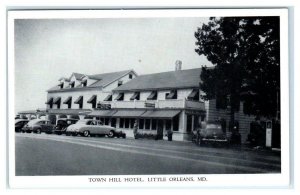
[[48, 49]]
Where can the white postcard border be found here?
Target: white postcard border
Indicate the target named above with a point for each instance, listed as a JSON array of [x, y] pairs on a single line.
[[220, 180]]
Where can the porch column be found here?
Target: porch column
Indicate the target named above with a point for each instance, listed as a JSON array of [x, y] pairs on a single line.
[[117, 122], [182, 122], [68, 116]]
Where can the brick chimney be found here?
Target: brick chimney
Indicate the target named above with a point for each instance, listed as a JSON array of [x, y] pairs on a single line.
[[178, 65]]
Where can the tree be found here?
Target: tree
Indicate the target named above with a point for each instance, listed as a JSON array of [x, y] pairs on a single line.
[[245, 52]]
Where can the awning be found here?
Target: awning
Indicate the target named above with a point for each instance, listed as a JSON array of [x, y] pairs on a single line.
[[172, 95], [50, 101], [79, 100], [68, 100], [102, 113], [136, 96], [164, 114], [108, 98], [93, 99], [152, 96], [193, 94], [120, 96], [69, 111], [129, 113], [57, 100]]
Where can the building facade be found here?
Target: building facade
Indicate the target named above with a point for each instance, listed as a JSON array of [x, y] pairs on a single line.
[[160, 102], [77, 95]]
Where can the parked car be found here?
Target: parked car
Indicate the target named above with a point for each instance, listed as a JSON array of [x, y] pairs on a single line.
[[87, 127], [19, 124], [38, 126], [62, 124], [212, 132]]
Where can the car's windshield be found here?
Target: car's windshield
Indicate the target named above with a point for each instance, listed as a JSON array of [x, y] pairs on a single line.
[[32, 122], [81, 122], [213, 126]]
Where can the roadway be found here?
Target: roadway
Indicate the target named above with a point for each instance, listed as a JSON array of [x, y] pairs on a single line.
[[43, 154]]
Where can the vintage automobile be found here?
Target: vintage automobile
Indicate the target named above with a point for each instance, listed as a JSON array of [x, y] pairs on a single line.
[[90, 127], [212, 132], [62, 124], [38, 126], [19, 124]]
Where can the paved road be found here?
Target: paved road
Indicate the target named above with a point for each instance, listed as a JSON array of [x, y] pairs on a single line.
[[43, 154]]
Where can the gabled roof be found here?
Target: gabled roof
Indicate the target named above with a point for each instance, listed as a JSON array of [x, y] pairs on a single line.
[[107, 78], [166, 80], [77, 76], [102, 80]]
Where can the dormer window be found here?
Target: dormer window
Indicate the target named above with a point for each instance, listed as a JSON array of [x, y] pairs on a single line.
[[61, 85], [72, 84], [130, 76], [120, 83], [84, 83]]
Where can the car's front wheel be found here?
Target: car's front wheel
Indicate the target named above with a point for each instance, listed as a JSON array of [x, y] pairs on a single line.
[[86, 133], [111, 134]]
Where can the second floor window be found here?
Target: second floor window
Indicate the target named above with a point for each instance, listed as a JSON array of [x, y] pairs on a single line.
[[136, 96], [79, 101], [152, 96], [171, 95], [68, 101], [120, 97]]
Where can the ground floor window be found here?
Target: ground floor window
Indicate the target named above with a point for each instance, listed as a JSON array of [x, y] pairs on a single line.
[[168, 125], [147, 124], [153, 124], [113, 122], [189, 123], [141, 124], [132, 123], [121, 125], [106, 121], [127, 123], [176, 123], [196, 121]]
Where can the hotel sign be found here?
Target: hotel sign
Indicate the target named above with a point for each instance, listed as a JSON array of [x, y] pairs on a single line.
[[150, 104], [104, 106]]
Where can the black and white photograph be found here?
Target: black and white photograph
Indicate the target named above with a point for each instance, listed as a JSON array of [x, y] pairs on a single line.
[[149, 97]]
